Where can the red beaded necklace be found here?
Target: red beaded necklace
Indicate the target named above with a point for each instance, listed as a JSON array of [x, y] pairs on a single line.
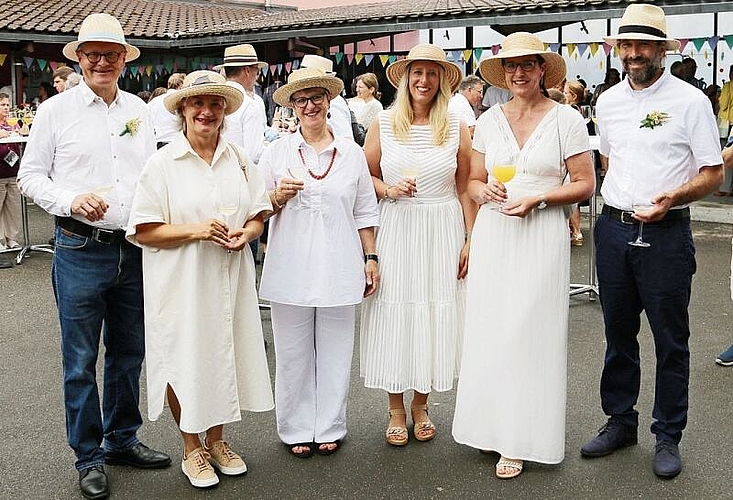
[[324, 174]]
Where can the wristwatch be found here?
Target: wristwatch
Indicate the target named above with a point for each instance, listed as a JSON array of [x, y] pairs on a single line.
[[371, 256], [543, 203]]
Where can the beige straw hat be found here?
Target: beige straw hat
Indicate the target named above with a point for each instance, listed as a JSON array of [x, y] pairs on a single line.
[[100, 28], [314, 61], [240, 55], [425, 52], [307, 78], [517, 45], [643, 22], [205, 82]]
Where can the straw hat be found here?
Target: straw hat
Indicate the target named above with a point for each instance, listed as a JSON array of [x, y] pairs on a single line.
[[314, 61], [100, 28], [517, 45], [643, 22], [205, 82], [240, 55], [307, 78], [425, 52]]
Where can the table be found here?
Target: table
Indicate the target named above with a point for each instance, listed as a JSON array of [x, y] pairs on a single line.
[[27, 247]]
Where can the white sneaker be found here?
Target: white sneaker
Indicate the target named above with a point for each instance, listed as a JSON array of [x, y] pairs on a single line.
[[198, 470]]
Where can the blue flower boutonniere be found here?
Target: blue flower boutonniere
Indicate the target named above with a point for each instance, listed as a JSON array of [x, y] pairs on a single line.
[[654, 119]]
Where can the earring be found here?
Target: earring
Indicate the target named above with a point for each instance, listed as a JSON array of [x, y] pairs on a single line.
[[328, 114]]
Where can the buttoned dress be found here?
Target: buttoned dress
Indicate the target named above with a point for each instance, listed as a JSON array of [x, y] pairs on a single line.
[[203, 329]]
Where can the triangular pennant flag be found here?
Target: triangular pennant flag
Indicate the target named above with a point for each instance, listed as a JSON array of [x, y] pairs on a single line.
[[384, 58], [698, 42], [495, 49], [467, 54], [124, 71], [349, 58], [547, 45], [141, 69], [392, 58], [288, 65], [296, 64], [729, 41], [2, 59], [607, 48], [54, 65], [571, 48], [683, 44], [169, 66], [477, 54], [159, 69], [272, 69], [582, 48], [713, 42], [42, 63], [202, 65], [358, 58], [555, 47], [339, 57], [28, 61], [368, 59], [265, 70], [149, 70], [280, 68], [77, 68], [593, 49], [133, 70]]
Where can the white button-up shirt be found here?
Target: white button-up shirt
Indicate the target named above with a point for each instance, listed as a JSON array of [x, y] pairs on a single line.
[[166, 124], [246, 126], [76, 147], [644, 162], [460, 106], [340, 120]]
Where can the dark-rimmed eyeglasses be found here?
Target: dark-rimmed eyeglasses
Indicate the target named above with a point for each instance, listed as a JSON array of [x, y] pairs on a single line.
[[94, 57], [511, 67], [302, 102]]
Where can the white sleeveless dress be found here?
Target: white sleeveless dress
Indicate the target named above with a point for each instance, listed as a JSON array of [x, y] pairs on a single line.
[[411, 329]]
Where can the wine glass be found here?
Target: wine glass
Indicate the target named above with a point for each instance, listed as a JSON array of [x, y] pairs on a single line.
[[641, 208], [299, 172], [503, 172], [12, 120], [227, 203]]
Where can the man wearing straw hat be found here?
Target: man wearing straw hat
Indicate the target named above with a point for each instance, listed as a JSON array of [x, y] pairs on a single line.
[[339, 118], [82, 162], [661, 139], [246, 126]]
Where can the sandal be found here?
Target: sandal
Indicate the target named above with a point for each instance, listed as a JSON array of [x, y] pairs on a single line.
[[397, 435], [326, 450], [301, 454], [576, 240], [425, 430], [514, 466]]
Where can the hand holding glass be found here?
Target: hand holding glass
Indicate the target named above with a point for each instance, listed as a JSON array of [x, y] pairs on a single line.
[[503, 173], [300, 173], [227, 203], [641, 209]]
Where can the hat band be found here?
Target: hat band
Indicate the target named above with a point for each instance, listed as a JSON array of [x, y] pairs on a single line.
[[240, 59], [93, 37], [646, 30]]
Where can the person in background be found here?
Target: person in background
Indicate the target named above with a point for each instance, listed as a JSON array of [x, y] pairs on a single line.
[[22, 84], [725, 101], [45, 90], [689, 70], [493, 96], [157, 91], [165, 124], [82, 167], [725, 358], [10, 200], [612, 78], [59, 77], [663, 154], [72, 81], [574, 95], [366, 105], [466, 100], [207, 356], [144, 95], [340, 119]]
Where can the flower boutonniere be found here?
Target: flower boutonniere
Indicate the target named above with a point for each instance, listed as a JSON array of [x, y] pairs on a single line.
[[654, 119], [131, 127]]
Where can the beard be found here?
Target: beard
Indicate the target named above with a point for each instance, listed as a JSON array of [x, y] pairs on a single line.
[[642, 75]]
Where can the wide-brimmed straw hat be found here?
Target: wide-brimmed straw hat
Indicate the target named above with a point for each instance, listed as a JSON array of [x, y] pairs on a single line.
[[425, 52], [100, 28], [205, 82], [643, 22], [314, 61], [307, 78], [521, 44], [240, 55]]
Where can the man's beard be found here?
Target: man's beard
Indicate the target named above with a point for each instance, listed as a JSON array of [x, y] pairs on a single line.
[[641, 76]]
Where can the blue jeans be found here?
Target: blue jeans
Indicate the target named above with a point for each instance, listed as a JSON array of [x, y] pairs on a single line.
[[98, 290], [656, 280]]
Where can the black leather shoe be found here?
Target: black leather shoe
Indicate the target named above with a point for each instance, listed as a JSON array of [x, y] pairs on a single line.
[[138, 456], [93, 483], [667, 461], [611, 437]]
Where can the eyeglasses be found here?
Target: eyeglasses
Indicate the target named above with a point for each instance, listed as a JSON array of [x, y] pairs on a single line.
[[95, 57], [511, 67], [302, 102], [480, 90]]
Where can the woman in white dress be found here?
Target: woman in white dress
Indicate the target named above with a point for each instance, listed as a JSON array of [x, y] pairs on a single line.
[[419, 157], [512, 384], [194, 212], [366, 104], [321, 261]]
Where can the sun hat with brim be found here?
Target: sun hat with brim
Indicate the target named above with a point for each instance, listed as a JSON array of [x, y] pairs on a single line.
[[425, 52], [314, 61], [205, 82], [522, 44], [100, 28], [240, 55], [307, 78], [643, 22]]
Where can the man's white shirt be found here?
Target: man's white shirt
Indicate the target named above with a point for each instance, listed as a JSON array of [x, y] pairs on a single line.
[[246, 126], [166, 124]]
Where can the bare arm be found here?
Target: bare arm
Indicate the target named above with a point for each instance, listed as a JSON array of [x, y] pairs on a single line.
[[161, 235], [728, 157], [373, 153], [468, 206], [371, 267]]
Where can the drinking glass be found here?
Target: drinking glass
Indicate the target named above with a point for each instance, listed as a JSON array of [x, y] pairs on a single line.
[[12, 120], [227, 203], [503, 172], [299, 172], [641, 209]]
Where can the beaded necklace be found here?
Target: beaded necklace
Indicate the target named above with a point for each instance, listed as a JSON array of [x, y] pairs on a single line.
[[324, 174]]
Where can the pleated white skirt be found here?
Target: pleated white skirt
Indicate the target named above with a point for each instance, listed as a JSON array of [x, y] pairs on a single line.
[[412, 328]]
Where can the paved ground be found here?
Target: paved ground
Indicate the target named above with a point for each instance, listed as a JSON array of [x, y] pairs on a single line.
[[36, 463]]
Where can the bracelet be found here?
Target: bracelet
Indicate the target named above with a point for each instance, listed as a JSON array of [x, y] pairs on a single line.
[[371, 256], [276, 202], [468, 235], [387, 196]]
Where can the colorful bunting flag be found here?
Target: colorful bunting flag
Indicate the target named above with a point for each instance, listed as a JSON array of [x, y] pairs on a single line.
[[288, 65], [466, 54], [358, 58], [339, 57], [477, 53], [368, 59], [607, 48], [28, 61], [555, 47], [349, 59], [296, 64], [582, 48], [571, 48], [729, 41], [713, 42], [698, 43], [2, 59], [683, 44], [593, 49], [384, 58]]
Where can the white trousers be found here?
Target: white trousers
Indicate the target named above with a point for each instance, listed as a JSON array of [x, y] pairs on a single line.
[[9, 209], [313, 351]]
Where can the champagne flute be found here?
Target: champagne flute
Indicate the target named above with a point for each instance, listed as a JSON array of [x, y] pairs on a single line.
[[12, 120], [641, 208], [503, 172], [227, 203], [299, 172]]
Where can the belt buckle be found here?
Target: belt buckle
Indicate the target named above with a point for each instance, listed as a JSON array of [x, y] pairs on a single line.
[[626, 217], [103, 236]]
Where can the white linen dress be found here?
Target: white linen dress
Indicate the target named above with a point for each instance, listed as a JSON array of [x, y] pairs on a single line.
[[203, 334], [411, 328], [512, 385]]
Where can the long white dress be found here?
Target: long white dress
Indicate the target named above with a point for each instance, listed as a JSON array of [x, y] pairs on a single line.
[[203, 334], [411, 329], [512, 384]]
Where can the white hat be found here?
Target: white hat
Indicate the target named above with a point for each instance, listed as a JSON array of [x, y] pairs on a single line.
[[314, 61], [100, 28], [425, 52], [643, 22], [240, 55], [205, 82], [307, 78]]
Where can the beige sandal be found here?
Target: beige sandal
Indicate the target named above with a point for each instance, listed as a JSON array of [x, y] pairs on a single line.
[[514, 466], [397, 435], [425, 430]]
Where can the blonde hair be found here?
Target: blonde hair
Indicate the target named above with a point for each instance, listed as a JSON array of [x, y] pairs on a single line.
[[403, 114]]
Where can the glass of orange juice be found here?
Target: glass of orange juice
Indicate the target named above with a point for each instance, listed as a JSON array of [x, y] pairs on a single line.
[[503, 172]]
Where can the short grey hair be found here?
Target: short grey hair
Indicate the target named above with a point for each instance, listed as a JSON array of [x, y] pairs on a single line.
[[470, 82]]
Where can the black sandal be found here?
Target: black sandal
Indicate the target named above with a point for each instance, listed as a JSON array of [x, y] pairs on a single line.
[[327, 451], [303, 454]]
